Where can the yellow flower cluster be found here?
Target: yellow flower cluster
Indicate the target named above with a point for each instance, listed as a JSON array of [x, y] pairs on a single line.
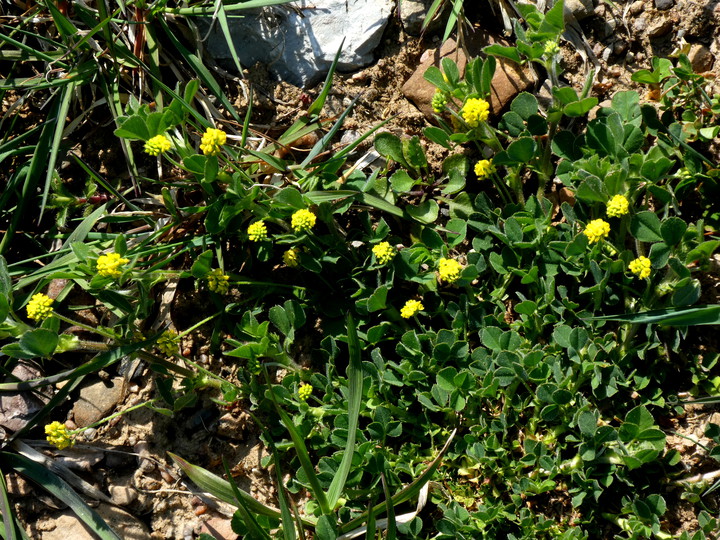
[[305, 391], [384, 252], [157, 145], [410, 308], [640, 267], [596, 230], [257, 231], [40, 307], [58, 435], [303, 220], [439, 100], [484, 168], [212, 140], [218, 281], [291, 257], [168, 343], [449, 270], [617, 206], [475, 111], [109, 265], [551, 48]]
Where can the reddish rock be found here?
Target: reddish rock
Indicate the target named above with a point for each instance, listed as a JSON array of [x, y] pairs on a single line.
[[509, 80], [701, 58]]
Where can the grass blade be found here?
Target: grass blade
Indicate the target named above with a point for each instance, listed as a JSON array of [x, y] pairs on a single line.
[[254, 527], [406, 493], [389, 508], [60, 489], [682, 316], [317, 105], [9, 523], [355, 386]]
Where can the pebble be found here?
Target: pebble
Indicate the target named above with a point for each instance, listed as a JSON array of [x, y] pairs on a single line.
[[630, 57], [701, 58], [97, 400], [122, 495], [219, 528], [659, 28], [664, 4], [620, 47], [636, 7], [640, 24], [615, 71]]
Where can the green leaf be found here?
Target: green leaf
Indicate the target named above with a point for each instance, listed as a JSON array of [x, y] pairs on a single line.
[[390, 146], [401, 181], [426, 212], [290, 197], [133, 128], [437, 135], [377, 299], [522, 150], [202, 265], [280, 319], [580, 108], [525, 105], [434, 76], [672, 230], [645, 226], [681, 316], [511, 53], [513, 123], [39, 342], [587, 422], [528, 307]]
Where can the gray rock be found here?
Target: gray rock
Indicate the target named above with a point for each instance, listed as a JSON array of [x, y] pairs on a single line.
[[17, 408], [659, 28], [298, 45], [69, 527], [636, 7], [412, 15], [580, 9], [98, 400], [664, 4]]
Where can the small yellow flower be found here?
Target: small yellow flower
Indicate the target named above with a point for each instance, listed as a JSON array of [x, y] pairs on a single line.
[[212, 141], [157, 145], [384, 252], [596, 230], [475, 111], [640, 267], [439, 101], [305, 391], [58, 435], [291, 257], [449, 270], [109, 265], [218, 281], [303, 220], [410, 308], [257, 231], [40, 307], [168, 343], [551, 48], [617, 206], [484, 168]]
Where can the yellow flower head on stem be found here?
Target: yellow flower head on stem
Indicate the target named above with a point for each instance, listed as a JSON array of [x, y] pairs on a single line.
[[596, 230], [384, 252], [475, 111], [640, 267], [40, 307], [291, 257], [218, 281], [449, 270], [484, 168], [58, 435], [109, 264], [157, 145], [303, 220], [439, 101], [212, 141], [257, 231], [617, 206], [305, 391], [168, 343], [410, 308]]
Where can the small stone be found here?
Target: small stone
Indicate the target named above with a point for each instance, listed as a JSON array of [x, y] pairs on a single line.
[[663, 5], [640, 24], [69, 526], [580, 9], [636, 7], [231, 427], [619, 47], [659, 28], [701, 58], [18, 407], [630, 57], [615, 71], [122, 495], [97, 401], [412, 16], [218, 527]]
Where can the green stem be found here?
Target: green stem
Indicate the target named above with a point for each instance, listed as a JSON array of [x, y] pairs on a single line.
[[114, 415], [96, 330]]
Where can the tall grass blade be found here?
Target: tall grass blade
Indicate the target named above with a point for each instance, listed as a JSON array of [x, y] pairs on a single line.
[[9, 524], [355, 386], [680, 316], [317, 105], [389, 508], [60, 489], [222, 19], [406, 493], [251, 523], [325, 140]]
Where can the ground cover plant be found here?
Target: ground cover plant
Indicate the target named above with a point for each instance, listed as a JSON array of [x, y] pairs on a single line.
[[488, 348]]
